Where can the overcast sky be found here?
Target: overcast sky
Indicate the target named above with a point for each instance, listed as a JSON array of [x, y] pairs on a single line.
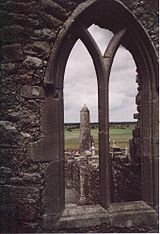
[[80, 83]]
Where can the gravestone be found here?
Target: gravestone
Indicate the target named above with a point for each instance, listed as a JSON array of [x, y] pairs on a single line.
[[85, 132]]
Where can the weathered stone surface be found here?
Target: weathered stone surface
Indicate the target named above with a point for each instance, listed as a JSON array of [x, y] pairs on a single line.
[[8, 126], [16, 181], [136, 214], [9, 139], [52, 194], [28, 118], [5, 172], [32, 62], [9, 68], [44, 34], [13, 33], [20, 192], [25, 21], [69, 5], [13, 53], [25, 134], [85, 135], [99, 215], [30, 227], [24, 79], [38, 48], [51, 21], [14, 199], [47, 148], [136, 132], [53, 8], [126, 179], [13, 116], [31, 92], [76, 219], [105, 228], [71, 196], [136, 116], [31, 178], [35, 25], [18, 7], [9, 134], [41, 46]]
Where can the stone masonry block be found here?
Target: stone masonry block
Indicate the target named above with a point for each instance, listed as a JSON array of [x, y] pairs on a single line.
[[15, 206], [13, 53], [44, 150], [32, 62], [44, 34], [47, 148], [32, 92], [54, 8], [14, 33]]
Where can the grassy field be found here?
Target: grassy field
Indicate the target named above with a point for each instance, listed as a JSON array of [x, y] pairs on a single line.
[[120, 135]]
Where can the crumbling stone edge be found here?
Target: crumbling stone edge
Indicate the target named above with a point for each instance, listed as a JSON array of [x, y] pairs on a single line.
[[118, 215]]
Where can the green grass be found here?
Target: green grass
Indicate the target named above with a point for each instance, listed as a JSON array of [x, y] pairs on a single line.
[[121, 136], [72, 139]]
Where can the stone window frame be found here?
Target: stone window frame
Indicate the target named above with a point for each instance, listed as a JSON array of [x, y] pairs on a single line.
[[50, 147]]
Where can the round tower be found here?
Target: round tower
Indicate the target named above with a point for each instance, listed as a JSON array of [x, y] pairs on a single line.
[[85, 135]]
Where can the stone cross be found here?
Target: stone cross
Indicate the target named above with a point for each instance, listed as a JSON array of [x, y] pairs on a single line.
[[85, 132], [83, 181], [93, 149]]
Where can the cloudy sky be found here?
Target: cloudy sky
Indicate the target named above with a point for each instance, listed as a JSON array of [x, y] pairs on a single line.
[[80, 84]]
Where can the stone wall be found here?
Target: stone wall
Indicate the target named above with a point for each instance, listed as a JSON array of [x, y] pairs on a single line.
[[72, 173], [126, 179], [27, 33], [28, 30]]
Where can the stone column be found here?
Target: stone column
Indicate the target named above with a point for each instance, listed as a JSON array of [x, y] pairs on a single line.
[[136, 142], [85, 135], [83, 181], [93, 150]]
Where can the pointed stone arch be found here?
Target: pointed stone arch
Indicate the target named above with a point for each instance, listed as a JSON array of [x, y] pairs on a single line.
[[136, 40]]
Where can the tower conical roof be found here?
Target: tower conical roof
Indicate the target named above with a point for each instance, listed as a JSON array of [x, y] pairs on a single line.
[[85, 108]]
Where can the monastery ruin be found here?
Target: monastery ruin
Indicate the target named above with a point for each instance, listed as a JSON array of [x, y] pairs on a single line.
[[36, 38]]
